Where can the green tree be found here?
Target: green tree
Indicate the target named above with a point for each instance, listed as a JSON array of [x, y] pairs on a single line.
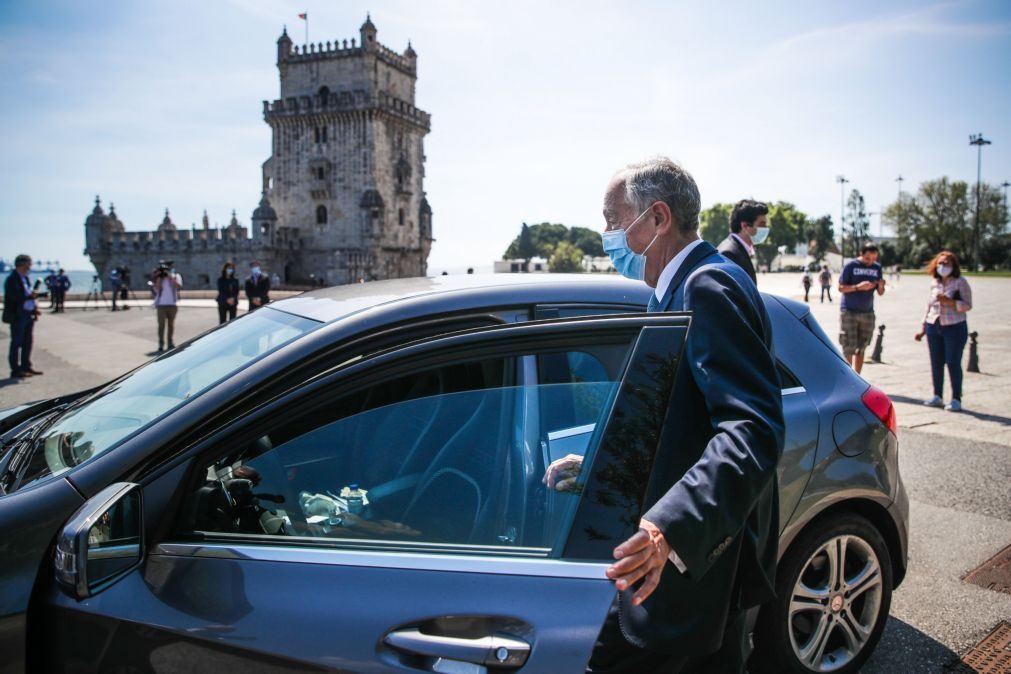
[[586, 240], [786, 228], [522, 246], [715, 223], [936, 218], [857, 231], [566, 258], [820, 235]]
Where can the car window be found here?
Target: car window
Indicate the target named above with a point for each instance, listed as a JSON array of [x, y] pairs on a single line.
[[451, 455], [126, 406]]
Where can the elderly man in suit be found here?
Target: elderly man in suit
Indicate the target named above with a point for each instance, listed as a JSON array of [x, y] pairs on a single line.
[[749, 227], [706, 546]]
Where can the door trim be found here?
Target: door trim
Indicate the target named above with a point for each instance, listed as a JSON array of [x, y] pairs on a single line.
[[546, 568]]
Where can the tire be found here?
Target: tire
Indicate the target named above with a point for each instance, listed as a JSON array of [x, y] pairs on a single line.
[[821, 621]]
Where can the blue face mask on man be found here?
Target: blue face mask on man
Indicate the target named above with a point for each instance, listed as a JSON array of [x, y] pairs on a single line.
[[626, 261]]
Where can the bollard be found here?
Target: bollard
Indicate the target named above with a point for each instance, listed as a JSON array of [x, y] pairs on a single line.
[[973, 354], [876, 356]]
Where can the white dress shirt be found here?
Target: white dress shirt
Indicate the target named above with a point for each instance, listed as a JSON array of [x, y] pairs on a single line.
[[667, 275], [662, 284]]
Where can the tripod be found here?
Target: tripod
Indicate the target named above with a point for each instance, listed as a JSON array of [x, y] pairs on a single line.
[[95, 295], [126, 293]]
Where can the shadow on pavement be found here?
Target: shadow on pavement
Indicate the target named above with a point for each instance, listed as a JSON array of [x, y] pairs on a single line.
[[903, 648], [1004, 421]]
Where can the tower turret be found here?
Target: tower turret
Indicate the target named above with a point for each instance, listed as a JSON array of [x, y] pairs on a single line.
[[94, 227], [283, 46], [368, 32], [264, 220]]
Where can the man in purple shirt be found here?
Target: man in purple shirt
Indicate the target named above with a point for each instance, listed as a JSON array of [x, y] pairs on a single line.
[[858, 282]]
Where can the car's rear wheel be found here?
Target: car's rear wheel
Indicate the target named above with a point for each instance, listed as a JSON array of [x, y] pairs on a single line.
[[833, 592]]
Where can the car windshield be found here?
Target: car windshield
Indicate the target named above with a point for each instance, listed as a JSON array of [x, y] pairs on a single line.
[[129, 404]]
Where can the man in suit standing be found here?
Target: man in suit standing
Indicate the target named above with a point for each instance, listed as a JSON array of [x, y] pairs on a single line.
[[749, 227], [257, 286], [706, 547], [20, 311]]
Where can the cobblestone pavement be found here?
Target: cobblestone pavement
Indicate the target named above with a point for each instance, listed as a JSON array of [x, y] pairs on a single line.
[[956, 466]]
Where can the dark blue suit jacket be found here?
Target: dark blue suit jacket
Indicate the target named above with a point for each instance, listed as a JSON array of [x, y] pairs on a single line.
[[713, 492]]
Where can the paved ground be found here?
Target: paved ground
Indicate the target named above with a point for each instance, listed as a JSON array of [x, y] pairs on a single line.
[[957, 467]]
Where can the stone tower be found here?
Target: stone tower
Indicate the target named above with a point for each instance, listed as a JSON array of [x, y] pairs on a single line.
[[343, 189]]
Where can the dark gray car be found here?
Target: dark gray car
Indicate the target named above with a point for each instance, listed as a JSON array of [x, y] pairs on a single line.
[[351, 479]]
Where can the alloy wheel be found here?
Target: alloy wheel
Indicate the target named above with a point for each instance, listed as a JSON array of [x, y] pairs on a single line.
[[835, 603]]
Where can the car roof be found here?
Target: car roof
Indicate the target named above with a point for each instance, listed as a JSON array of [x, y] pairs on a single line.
[[462, 291]]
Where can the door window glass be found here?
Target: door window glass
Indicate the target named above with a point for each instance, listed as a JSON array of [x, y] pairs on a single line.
[[450, 455]]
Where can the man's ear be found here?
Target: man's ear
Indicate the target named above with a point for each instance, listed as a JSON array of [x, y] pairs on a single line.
[[663, 219]]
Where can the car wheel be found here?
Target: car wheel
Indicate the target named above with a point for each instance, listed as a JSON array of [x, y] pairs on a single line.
[[833, 592]]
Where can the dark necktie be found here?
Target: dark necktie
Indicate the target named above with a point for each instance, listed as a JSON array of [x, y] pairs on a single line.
[[654, 303]]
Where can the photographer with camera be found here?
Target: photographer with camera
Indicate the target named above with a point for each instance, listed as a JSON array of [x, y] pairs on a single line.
[[20, 312], [166, 283]]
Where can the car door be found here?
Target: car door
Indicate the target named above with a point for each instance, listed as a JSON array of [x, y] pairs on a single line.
[[392, 516]]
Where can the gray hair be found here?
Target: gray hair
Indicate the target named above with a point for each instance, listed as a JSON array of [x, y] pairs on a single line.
[[660, 179]]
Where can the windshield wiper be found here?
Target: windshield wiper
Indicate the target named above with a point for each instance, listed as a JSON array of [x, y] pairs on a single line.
[[22, 446]]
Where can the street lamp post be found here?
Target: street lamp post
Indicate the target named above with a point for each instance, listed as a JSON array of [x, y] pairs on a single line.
[[979, 142], [842, 217]]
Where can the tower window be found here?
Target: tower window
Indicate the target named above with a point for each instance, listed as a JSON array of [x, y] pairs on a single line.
[[400, 217], [320, 173], [324, 134], [321, 215]]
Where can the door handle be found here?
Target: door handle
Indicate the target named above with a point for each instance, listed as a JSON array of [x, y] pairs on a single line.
[[493, 651]]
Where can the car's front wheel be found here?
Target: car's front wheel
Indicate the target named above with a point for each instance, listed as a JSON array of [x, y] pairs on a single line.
[[833, 592]]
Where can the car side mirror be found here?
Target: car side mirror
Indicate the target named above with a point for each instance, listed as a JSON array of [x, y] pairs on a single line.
[[102, 541]]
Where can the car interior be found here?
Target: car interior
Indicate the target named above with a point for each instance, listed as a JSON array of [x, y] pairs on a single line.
[[453, 455]]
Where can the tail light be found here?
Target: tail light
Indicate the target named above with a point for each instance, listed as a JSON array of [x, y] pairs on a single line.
[[880, 406]]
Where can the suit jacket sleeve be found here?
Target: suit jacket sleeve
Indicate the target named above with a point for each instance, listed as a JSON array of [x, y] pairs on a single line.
[[735, 373]]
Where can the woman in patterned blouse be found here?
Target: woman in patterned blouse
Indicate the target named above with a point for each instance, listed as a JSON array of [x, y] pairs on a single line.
[[945, 327]]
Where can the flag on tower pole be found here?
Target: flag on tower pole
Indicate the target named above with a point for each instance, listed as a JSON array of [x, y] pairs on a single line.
[[305, 17]]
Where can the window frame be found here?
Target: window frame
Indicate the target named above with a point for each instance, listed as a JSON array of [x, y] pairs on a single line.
[[507, 340]]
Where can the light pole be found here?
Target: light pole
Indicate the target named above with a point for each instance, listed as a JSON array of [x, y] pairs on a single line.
[[842, 214], [979, 142]]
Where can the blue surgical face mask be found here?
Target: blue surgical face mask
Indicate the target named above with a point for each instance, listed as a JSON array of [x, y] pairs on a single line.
[[255, 271], [760, 235], [627, 262]]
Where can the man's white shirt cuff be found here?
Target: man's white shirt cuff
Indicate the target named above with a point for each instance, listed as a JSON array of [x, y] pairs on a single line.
[[676, 561]]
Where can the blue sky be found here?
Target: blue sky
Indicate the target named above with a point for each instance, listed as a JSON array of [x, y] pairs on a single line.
[[157, 105]]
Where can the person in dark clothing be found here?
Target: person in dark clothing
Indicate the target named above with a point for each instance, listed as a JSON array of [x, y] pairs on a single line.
[[257, 286], [20, 312], [228, 293], [61, 284], [705, 551], [749, 227]]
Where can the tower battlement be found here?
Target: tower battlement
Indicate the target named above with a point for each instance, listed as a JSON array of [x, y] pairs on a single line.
[[323, 51], [346, 101]]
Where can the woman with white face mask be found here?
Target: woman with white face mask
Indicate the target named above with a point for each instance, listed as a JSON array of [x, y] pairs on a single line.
[[945, 326]]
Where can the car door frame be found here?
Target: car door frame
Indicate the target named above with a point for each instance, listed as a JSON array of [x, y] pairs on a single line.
[[581, 564]]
